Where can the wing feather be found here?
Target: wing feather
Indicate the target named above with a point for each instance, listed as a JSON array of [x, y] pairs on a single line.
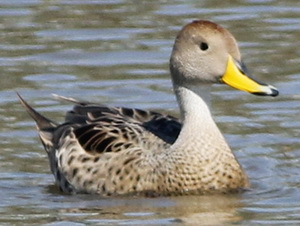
[[99, 128]]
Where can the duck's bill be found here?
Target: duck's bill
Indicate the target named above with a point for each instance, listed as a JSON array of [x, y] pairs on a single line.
[[236, 77]]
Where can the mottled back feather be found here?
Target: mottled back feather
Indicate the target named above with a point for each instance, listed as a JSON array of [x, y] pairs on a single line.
[[107, 129]]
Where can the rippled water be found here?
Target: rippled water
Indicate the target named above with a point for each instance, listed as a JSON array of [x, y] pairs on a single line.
[[116, 52]]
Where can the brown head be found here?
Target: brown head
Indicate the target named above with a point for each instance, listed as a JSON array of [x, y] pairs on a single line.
[[205, 52]]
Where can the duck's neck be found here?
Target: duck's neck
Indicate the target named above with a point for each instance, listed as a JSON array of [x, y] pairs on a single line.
[[200, 152], [199, 127], [193, 101]]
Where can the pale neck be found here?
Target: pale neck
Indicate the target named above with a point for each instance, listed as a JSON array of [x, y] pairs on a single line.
[[193, 100], [198, 124]]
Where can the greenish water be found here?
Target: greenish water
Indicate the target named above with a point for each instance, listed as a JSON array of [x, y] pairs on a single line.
[[116, 52]]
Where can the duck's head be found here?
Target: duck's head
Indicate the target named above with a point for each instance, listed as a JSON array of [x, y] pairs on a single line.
[[205, 52]]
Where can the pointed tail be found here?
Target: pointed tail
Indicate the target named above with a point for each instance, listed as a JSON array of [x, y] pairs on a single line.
[[41, 121]]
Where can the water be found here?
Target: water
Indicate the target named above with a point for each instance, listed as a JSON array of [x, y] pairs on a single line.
[[116, 52]]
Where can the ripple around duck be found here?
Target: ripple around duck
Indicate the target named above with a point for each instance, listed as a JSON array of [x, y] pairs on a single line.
[[15, 12], [81, 58], [92, 2], [91, 34], [21, 3], [49, 77]]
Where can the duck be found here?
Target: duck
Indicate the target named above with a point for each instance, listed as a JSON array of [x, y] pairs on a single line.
[[119, 151]]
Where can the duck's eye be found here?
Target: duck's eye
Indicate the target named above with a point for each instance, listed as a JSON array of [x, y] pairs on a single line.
[[203, 46]]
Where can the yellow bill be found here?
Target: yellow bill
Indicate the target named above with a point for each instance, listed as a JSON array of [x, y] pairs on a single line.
[[236, 78]]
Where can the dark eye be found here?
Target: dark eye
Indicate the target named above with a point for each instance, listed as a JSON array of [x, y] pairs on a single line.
[[203, 46]]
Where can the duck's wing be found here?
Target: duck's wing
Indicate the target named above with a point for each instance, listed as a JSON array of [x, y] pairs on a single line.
[[99, 128]]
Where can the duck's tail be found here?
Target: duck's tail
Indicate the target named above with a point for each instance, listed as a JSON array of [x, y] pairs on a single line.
[[45, 126], [41, 121]]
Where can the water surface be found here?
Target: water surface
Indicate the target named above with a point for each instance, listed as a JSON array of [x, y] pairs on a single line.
[[116, 52]]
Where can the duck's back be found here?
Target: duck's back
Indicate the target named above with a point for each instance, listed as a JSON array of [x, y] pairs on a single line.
[[97, 143], [99, 128]]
